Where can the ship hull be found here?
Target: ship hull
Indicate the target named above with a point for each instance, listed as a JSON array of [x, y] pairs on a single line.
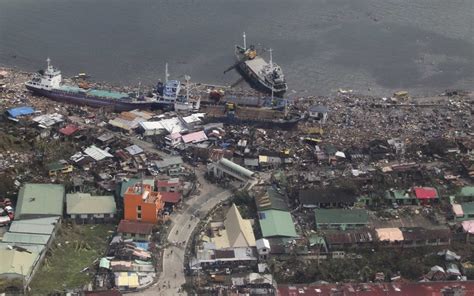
[[254, 79], [270, 124], [92, 101]]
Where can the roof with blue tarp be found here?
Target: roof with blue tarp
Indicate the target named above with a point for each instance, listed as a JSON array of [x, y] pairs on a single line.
[[141, 245], [20, 111]]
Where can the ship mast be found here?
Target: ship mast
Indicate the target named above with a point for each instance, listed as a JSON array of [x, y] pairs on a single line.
[[187, 78], [48, 60], [245, 41], [271, 58], [166, 73]]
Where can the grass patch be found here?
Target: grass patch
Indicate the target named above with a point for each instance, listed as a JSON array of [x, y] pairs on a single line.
[[75, 248]]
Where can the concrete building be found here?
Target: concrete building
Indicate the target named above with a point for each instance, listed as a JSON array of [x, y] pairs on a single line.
[[143, 204], [225, 167], [236, 232]]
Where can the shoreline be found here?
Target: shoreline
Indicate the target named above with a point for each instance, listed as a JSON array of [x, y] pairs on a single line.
[[291, 93]]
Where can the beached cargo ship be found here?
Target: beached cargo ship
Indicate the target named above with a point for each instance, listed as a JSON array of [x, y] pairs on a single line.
[[48, 83], [267, 76], [260, 117]]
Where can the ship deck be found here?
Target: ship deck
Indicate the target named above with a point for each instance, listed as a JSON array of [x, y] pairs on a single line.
[[257, 64], [113, 95]]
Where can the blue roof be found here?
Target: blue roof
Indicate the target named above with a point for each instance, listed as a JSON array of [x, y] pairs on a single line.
[[19, 111]]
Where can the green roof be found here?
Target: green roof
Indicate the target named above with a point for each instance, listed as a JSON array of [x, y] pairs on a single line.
[[397, 194], [276, 223], [84, 203], [467, 191], [468, 208], [26, 238], [315, 239], [341, 216], [272, 200], [36, 200]]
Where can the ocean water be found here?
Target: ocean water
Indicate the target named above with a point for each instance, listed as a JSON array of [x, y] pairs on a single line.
[[370, 46]]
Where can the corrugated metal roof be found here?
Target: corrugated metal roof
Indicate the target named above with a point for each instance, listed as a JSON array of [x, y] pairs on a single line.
[[26, 238], [276, 223], [341, 216], [425, 192], [194, 137], [40, 199], [97, 153], [84, 203], [36, 226], [227, 163], [17, 262]]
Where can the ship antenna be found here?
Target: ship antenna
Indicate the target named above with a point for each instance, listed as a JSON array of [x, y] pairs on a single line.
[[166, 73], [245, 41]]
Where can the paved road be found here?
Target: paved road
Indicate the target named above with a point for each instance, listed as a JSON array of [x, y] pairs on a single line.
[[172, 277]]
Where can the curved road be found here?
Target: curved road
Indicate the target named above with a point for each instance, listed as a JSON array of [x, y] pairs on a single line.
[[184, 222]]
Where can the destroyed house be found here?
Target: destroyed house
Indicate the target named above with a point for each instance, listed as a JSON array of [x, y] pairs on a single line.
[[341, 218], [340, 240], [400, 197], [272, 200], [327, 197], [170, 165], [466, 193], [416, 237], [464, 211]]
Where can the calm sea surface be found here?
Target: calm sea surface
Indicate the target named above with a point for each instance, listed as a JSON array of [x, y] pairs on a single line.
[[372, 46]]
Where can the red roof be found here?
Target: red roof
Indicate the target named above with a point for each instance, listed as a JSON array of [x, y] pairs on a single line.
[[69, 130], [171, 197], [379, 289], [134, 227], [166, 183], [425, 192]]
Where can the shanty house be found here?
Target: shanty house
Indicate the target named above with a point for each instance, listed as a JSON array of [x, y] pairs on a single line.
[[318, 112], [170, 165], [400, 197], [40, 200], [341, 218], [85, 208], [426, 195], [464, 211], [137, 231]]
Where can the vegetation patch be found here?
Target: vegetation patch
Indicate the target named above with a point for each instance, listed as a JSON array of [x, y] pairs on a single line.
[[69, 263]]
